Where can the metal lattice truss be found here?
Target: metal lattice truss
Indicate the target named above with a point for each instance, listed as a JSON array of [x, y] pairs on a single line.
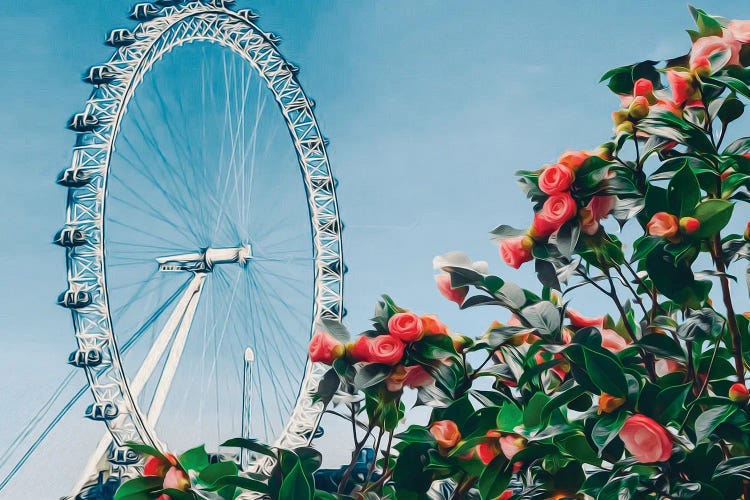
[[97, 128]]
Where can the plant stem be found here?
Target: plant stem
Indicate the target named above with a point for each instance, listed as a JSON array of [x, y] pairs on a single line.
[[375, 458], [731, 320], [637, 297], [355, 456], [386, 472], [648, 358]]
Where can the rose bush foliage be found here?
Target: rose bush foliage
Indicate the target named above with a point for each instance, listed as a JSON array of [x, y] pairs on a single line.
[[647, 402]]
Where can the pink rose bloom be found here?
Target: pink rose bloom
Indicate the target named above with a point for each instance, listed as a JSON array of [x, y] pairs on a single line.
[[406, 326], [612, 340], [681, 83], [457, 295], [386, 349], [668, 106], [663, 224], [646, 440], [516, 251], [446, 433], [556, 211], [177, 479], [410, 376], [325, 349], [707, 46], [431, 325], [601, 206], [740, 30], [510, 444], [556, 178], [360, 350], [573, 159], [666, 366], [578, 320]]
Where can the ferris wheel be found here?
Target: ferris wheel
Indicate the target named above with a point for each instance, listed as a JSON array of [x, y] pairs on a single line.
[[202, 235]]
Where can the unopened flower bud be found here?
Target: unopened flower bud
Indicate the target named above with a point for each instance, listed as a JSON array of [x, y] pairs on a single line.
[[620, 116], [643, 87], [638, 108], [739, 393], [689, 225], [609, 403], [625, 128], [702, 66], [747, 231]]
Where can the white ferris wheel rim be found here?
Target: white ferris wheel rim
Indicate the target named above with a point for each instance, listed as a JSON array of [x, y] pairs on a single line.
[[98, 128]]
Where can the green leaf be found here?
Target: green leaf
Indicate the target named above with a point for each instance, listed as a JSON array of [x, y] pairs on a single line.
[[175, 494], [509, 418], [329, 384], [495, 478], [607, 428], [249, 444], [213, 472], [663, 346], [643, 246], [731, 109], [707, 25], [710, 419], [194, 459], [578, 447], [336, 329], [670, 402], [544, 316], [244, 483], [137, 489], [561, 398], [605, 372], [371, 374], [532, 412], [297, 484], [713, 216], [684, 192]]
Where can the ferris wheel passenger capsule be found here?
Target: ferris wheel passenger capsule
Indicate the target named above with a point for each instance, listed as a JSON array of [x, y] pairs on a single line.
[[144, 12], [293, 68], [101, 411], [273, 38], [85, 357], [120, 37], [167, 3], [99, 75], [122, 455], [73, 177], [83, 122], [74, 299], [248, 15], [69, 237]]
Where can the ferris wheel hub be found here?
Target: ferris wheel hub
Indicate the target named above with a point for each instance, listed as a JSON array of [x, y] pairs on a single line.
[[204, 261]]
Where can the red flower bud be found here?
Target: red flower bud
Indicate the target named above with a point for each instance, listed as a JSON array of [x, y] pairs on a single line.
[[689, 225], [643, 87], [638, 108], [747, 231], [739, 393]]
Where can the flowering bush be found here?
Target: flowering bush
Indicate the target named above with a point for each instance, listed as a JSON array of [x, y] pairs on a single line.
[[647, 402]]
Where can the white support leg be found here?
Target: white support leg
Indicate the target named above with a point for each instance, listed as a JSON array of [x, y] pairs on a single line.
[[247, 393], [145, 371]]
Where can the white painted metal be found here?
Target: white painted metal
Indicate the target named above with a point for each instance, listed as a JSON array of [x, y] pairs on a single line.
[[175, 353], [145, 371], [247, 396], [97, 129]]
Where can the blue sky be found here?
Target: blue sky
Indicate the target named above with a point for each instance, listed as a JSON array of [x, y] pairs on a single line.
[[430, 107]]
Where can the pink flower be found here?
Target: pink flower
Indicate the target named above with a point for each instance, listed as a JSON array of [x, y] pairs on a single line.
[[516, 251], [573, 159], [556, 211], [325, 349], [668, 106], [457, 295], [406, 326], [643, 87], [360, 349], [446, 433], [510, 444], [410, 376], [666, 366], [663, 224], [177, 479], [386, 349], [682, 85], [506, 495], [612, 340], [488, 450], [431, 325], [556, 178], [601, 206], [740, 30], [578, 320], [707, 46], [645, 439], [155, 466]]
